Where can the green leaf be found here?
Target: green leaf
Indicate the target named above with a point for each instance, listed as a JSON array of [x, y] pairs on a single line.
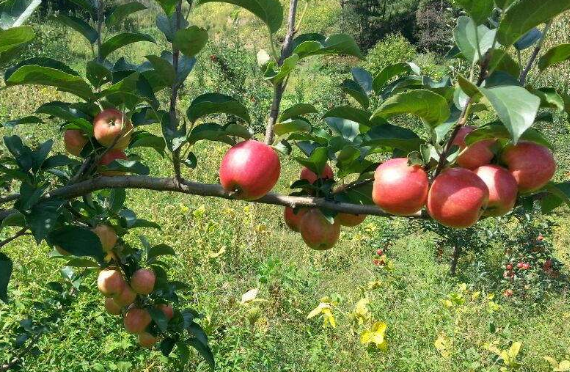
[[346, 128], [353, 89], [558, 194], [297, 110], [353, 114], [37, 75], [316, 161], [528, 39], [78, 25], [43, 62], [292, 126], [549, 98], [169, 25], [121, 12], [394, 137], [269, 11], [470, 89], [78, 241], [501, 60], [25, 120], [42, 217], [277, 74], [5, 274], [159, 318], [160, 250], [13, 13], [168, 5], [216, 103], [15, 37], [145, 139], [165, 70], [558, 54], [128, 166], [479, 10], [315, 44], [390, 72], [98, 74], [216, 132], [363, 78], [190, 40], [523, 15], [516, 107], [499, 131], [88, 5], [204, 350], [429, 106], [121, 40], [468, 35]]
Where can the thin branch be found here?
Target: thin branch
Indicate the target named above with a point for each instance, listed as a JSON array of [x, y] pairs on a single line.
[[14, 237], [9, 198], [174, 92], [99, 30], [18, 358], [534, 55]]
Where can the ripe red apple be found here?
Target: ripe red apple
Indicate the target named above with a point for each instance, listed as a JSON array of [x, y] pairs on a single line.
[[126, 297], [350, 220], [167, 310], [474, 156], [112, 306], [526, 266], [110, 282], [143, 281], [136, 320], [457, 198], [520, 265], [110, 124], [503, 189], [74, 141], [400, 188], [292, 220], [509, 267], [309, 175], [250, 169], [531, 164], [317, 232], [108, 158], [540, 237], [379, 252], [107, 235], [147, 340]]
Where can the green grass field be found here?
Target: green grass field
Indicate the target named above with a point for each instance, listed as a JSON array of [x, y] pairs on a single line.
[[435, 321]]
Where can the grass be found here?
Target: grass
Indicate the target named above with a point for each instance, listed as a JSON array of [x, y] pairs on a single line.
[[226, 248]]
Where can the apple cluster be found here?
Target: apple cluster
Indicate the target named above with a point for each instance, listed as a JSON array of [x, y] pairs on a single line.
[[111, 129]]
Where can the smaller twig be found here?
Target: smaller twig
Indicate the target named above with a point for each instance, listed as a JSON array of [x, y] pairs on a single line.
[[534, 55], [24, 351], [12, 238], [353, 185]]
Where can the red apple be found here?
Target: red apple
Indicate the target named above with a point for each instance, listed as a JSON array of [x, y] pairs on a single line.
[[309, 175], [457, 198], [292, 220], [520, 265], [74, 141], [108, 158], [112, 306], [503, 189], [508, 293], [126, 297], [531, 164], [110, 282], [167, 310], [317, 232], [509, 267], [143, 281], [107, 235], [111, 124], [474, 156], [400, 188], [350, 220], [250, 169], [136, 320], [147, 340], [380, 252]]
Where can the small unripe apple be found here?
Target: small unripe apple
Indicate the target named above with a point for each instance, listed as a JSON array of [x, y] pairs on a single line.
[[108, 158], [532, 165], [317, 232], [457, 198], [309, 175], [350, 220], [107, 236], [112, 306], [476, 155], [503, 189], [167, 310], [147, 340], [142, 281], [509, 267], [250, 169], [293, 220], [111, 124], [110, 282], [136, 320], [74, 141], [399, 188], [126, 297]]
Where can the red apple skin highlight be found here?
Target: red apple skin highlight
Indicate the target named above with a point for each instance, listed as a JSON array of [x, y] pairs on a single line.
[[110, 124], [531, 164], [108, 158], [143, 281], [147, 340], [457, 198], [476, 155], [350, 220], [167, 310], [503, 189], [309, 175], [112, 306], [293, 220], [136, 320], [317, 232], [250, 169], [107, 236], [399, 188], [110, 282], [126, 297], [74, 141]]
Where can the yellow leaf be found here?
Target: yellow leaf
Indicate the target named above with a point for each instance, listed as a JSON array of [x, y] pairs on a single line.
[[552, 361], [564, 366], [217, 254], [443, 345], [376, 335], [514, 350], [463, 287], [328, 318], [318, 310], [374, 285], [475, 295]]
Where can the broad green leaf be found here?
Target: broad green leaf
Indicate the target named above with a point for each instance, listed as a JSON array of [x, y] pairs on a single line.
[[269, 11], [516, 107], [158, 318], [13, 13], [316, 161], [78, 241], [98, 74], [164, 69], [191, 40], [37, 75], [42, 217], [25, 120], [88, 5], [215, 103], [523, 15], [78, 25], [5, 274], [353, 114], [390, 72], [297, 110], [160, 250], [128, 166], [363, 78], [467, 86], [346, 128], [528, 39], [15, 37], [121, 12], [394, 137], [43, 62], [292, 126], [168, 5], [353, 89], [558, 54], [429, 106], [557, 195], [170, 24], [501, 60], [216, 132], [315, 44], [468, 35], [499, 131], [479, 10], [549, 98], [276, 73], [121, 40], [145, 139], [203, 349]]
